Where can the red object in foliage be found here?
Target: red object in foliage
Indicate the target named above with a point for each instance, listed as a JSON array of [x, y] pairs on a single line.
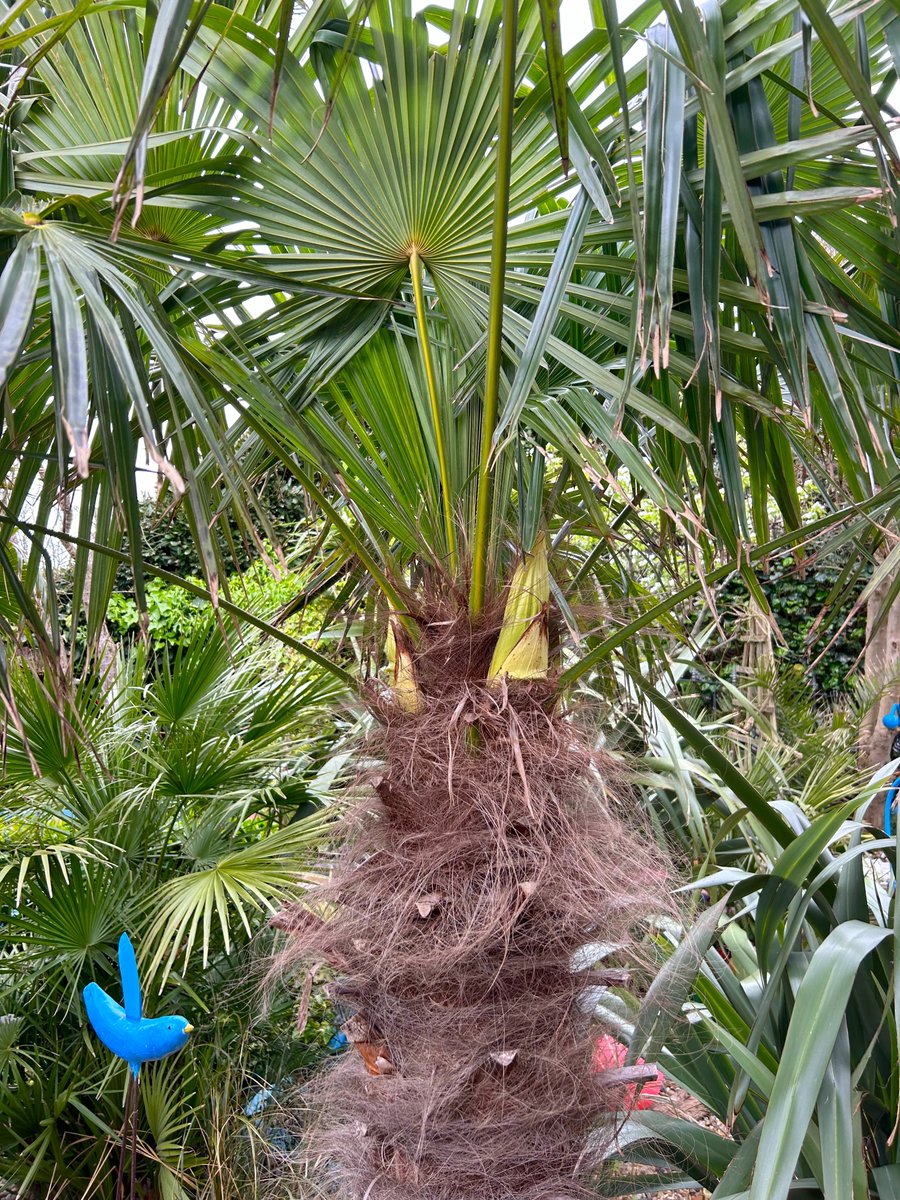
[[608, 1054]]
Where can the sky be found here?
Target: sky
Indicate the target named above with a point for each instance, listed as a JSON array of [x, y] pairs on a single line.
[[575, 21]]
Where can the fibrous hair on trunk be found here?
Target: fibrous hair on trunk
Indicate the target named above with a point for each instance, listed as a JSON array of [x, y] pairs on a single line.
[[489, 856]]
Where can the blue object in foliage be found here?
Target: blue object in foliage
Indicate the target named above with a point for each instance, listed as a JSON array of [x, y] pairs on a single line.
[[891, 720], [339, 1041], [125, 1031], [259, 1102]]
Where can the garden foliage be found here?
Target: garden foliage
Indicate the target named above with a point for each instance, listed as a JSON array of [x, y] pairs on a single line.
[[181, 805]]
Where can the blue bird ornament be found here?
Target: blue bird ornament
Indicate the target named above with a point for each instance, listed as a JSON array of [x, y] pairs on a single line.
[[125, 1030]]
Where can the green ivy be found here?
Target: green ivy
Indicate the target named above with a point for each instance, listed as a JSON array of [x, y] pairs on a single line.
[[797, 598], [174, 614]]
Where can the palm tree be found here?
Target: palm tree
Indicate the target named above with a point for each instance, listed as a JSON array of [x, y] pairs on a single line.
[[504, 388]]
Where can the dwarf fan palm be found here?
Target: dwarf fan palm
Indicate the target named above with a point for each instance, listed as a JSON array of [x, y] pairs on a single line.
[[183, 805]]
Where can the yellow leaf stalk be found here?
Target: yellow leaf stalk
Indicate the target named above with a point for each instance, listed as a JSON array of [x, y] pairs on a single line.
[[398, 649], [523, 647]]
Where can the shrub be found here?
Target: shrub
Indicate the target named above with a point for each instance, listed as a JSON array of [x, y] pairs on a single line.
[[181, 809]]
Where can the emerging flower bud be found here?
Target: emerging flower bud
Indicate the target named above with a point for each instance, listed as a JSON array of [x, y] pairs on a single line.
[[523, 647]]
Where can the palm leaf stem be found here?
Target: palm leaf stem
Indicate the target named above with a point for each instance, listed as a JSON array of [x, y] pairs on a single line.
[[499, 235], [415, 270]]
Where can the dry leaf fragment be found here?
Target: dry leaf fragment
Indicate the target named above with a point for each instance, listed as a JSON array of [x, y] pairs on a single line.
[[427, 904], [369, 1044], [504, 1058]]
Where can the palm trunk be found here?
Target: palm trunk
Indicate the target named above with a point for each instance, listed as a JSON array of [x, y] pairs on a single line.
[[491, 858]]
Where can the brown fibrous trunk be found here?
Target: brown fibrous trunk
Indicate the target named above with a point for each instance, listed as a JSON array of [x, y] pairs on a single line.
[[490, 856]]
